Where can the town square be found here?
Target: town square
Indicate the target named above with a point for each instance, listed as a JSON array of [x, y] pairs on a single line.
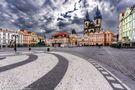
[[67, 45]]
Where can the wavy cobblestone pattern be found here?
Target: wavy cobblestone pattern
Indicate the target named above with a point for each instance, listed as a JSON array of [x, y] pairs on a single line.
[[52, 78], [82, 75], [17, 64], [21, 76]]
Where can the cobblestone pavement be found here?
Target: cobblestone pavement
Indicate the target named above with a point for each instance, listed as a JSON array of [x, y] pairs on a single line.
[[52, 78], [21, 73], [39, 70], [120, 61], [97, 78]]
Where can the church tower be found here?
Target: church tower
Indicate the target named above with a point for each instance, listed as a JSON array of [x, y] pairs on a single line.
[[88, 24], [86, 21], [98, 20]]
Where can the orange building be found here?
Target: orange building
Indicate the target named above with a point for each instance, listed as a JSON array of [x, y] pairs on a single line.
[[26, 37], [29, 38]]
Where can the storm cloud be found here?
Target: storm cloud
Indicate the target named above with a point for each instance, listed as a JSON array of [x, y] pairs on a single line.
[[58, 15]]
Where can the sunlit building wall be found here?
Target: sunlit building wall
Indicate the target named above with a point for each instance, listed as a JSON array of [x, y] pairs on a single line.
[[133, 32], [26, 37], [7, 39], [126, 25]]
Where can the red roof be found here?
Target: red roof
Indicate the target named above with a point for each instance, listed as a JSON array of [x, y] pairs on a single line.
[[60, 34]]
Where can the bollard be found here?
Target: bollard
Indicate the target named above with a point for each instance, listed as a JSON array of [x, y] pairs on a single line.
[[29, 49], [48, 49], [15, 49]]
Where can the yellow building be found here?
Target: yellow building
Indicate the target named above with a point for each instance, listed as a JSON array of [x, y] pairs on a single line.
[[73, 39], [33, 38]]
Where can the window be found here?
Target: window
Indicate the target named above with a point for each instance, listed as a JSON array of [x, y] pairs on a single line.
[[97, 22], [134, 15], [134, 23]]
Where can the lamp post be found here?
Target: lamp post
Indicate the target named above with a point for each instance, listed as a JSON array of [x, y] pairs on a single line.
[[15, 36]]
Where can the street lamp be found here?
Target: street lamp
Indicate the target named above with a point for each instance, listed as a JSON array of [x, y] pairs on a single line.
[[15, 36]]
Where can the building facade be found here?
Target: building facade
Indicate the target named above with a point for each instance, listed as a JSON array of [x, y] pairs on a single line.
[[91, 26], [22, 37], [93, 33], [7, 38], [59, 38], [26, 37], [127, 26], [73, 39], [133, 32], [33, 40], [97, 38], [109, 38]]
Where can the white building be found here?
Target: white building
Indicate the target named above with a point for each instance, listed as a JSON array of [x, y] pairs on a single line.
[[133, 32], [7, 37]]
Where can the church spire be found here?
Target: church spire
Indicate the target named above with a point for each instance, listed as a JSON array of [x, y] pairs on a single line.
[[87, 16], [98, 14]]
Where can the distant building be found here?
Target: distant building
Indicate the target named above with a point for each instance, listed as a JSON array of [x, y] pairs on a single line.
[[116, 37], [26, 37], [73, 38], [133, 33], [127, 26], [7, 39], [59, 38], [91, 26], [33, 38], [109, 38], [98, 38], [93, 33], [30, 38]]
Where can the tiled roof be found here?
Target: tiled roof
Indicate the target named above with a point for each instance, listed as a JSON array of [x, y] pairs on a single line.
[[60, 34]]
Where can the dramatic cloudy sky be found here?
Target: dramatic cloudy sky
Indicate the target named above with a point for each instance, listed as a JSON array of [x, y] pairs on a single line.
[[58, 15]]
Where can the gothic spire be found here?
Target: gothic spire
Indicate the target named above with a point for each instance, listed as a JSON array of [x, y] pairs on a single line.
[[87, 18], [98, 14]]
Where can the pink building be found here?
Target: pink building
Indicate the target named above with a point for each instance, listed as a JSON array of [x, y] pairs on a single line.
[[98, 38]]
